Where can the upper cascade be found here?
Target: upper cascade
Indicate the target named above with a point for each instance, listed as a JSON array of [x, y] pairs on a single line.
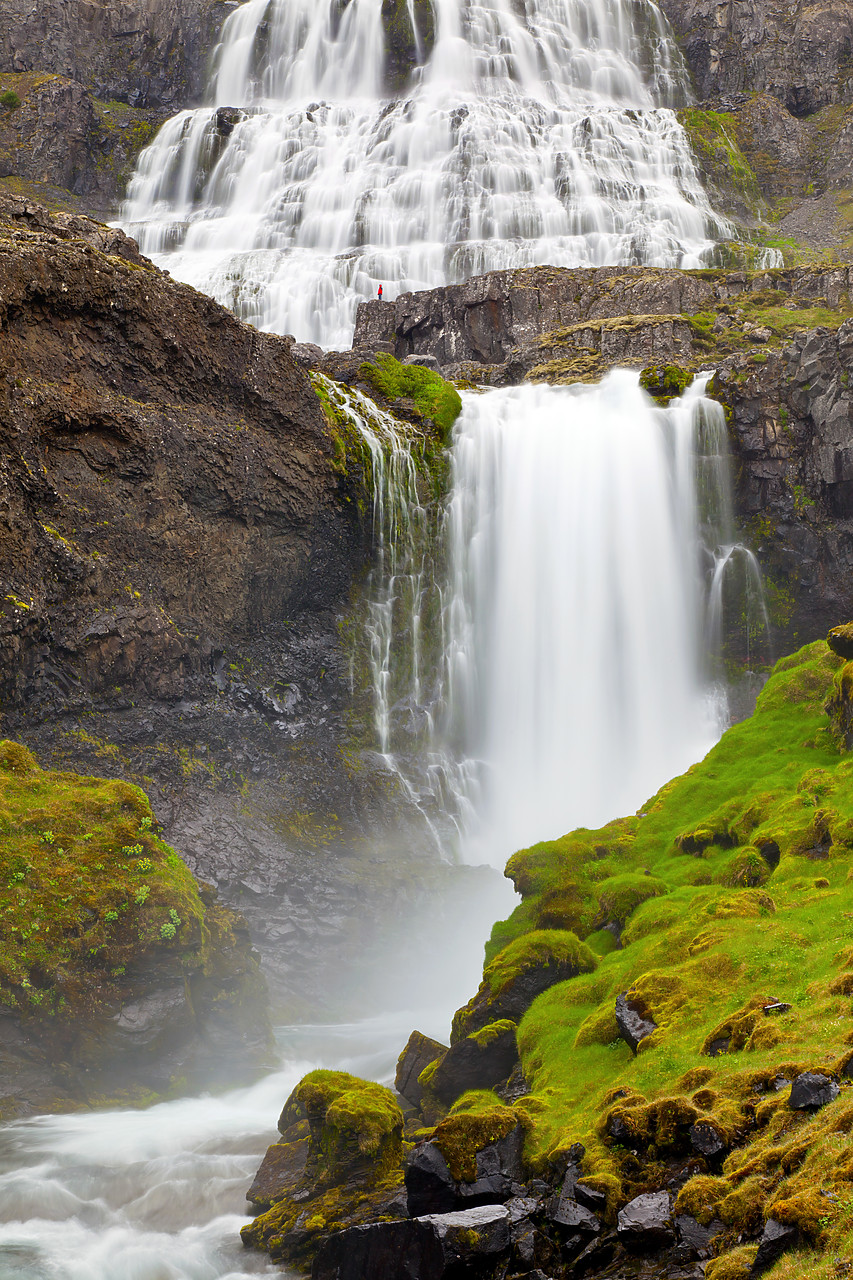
[[519, 134]]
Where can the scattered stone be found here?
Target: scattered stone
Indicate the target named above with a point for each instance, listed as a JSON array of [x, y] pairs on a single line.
[[646, 1222], [718, 1046], [775, 1241], [811, 1091], [633, 1026], [706, 1139], [419, 1052], [429, 1247], [590, 1198]]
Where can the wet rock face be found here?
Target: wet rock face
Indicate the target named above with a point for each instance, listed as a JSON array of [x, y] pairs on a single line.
[[151, 53], [167, 481], [802, 55]]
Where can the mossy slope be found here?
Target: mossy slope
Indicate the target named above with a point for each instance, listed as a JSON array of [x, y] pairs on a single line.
[[748, 860]]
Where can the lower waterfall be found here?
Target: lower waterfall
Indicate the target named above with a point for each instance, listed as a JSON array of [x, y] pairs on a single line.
[[591, 574]]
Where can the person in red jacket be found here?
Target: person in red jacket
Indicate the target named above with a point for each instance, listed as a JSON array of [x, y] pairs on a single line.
[[379, 294]]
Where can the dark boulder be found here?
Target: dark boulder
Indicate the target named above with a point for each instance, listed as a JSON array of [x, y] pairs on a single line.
[[776, 1240], [811, 1091], [426, 1248], [707, 1140], [694, 1237], [429, 1183], [419, 1052], [499, 1165], [590, 1198], [646, 1222], [633, 1023], [480, 1061]]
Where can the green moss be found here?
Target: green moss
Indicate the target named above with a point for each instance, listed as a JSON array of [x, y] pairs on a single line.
[[86, 885], [491, 1032], [752, 901], [434, 399], [665, 383], [714, 138], [349, 1116], [10, 100], [477, 1120], [542, 947]]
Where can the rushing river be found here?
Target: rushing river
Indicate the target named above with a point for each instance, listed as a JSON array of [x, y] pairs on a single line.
[[160, 1194]]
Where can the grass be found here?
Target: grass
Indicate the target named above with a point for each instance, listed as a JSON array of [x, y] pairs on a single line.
[[87, 891]]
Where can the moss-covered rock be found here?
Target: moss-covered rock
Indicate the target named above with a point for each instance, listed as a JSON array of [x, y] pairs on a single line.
[[409, 30], [520, 972], [350, 1173], [113, 960]]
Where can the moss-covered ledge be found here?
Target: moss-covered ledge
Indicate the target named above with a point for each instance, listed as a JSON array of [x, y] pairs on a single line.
[[120, 975]]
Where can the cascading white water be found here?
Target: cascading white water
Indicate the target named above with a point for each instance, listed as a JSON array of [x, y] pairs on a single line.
[[574, 662], [534, 134]]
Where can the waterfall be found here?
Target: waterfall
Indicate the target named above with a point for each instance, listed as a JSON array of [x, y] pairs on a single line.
[[587, 563], [528, 134]]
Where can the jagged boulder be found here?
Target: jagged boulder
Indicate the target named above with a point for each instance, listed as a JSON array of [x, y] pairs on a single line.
[[419, 1052], [646, 1222], [480, 1061], [471, 1159], [812, 1090], [776, 1239]]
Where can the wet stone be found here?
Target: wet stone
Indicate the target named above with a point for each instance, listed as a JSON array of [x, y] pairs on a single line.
[[633, 1027], [811, 1091]]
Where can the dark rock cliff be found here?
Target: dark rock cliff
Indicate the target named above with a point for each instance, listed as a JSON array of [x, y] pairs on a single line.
[[801, 53], [181, 540], [779, 341]]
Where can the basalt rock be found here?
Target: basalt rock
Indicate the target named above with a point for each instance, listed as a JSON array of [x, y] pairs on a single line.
[[419, 1052], [646, 1222], [434, 1247], [802, 56], [478, 1062], [811, 1091], [151, 53], [634, 1025], [777, 1238]]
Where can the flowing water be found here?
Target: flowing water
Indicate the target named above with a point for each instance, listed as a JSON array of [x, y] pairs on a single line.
[[532, 133], [159, 1194]]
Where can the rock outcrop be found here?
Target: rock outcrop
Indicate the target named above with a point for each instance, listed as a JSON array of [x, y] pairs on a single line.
[[119, 975], [802, 54]]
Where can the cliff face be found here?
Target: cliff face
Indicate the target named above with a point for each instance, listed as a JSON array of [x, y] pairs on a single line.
[[94, 82], [147, 53], [779, 341], [800, 53]]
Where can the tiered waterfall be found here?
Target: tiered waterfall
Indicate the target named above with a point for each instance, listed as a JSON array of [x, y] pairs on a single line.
[[514, 134]]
